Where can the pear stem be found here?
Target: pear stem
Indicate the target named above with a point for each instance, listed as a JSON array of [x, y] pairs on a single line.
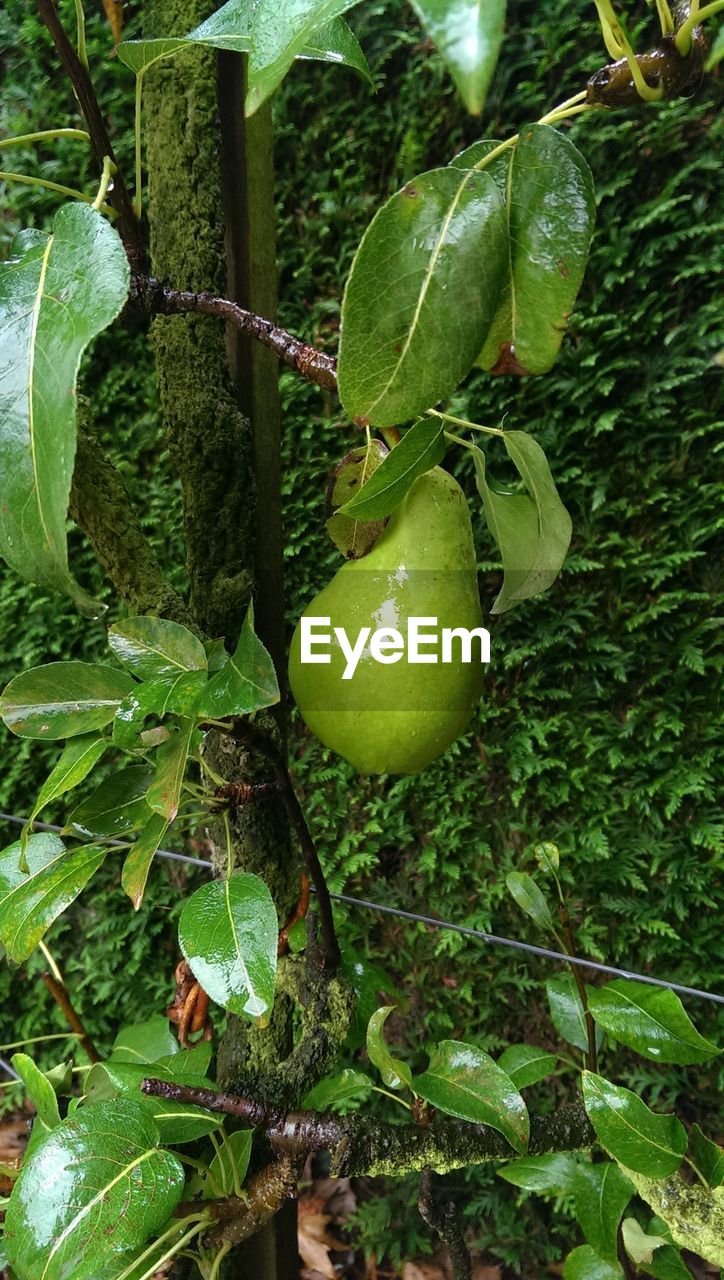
[[463, 422]]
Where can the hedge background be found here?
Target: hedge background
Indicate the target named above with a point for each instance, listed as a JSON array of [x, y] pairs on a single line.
[[598, 726]]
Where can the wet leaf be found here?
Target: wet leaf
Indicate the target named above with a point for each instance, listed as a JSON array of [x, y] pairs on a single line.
[[94, 1191], [554, 1173], [164, 791], [367, 980], [529, 898], [154, 648], [651, 1020], [117, 806], [228, 933], [468, 35], [77, 760], [532, 530], [230, 28], [56, 293], [340, 1089], [156, 698], [278, 36], [228, 1167], [585, 1264], [145, 1041], [601, 1193], [63, 699], [463, 1081], [550, 211], [548, 857], [30, 902], [421, 295], [636, 1137], [395, 1073], [526, 1064], [246, 683], [178, 1122], [43, 1097], [139, 858], [354, 538], [420, 449], [707, 1156], [567, 1011]]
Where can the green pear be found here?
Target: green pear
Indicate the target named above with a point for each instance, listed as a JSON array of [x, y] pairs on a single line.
[[393, 715]]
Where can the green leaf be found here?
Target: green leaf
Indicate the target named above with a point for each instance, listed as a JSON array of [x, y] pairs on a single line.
[[29, 903], [338, 1090], [216, 655], [468, 35], [164, 792], [651, 1020], [567, 1011], [585, 1264], [529, 898], [548, 857], [145, 1041], [139, 858], [230, 28], [77, 759], [43, 1097], [228, 933], [601, 1193], [56, 294], [717, 51], [395, 1073], [532, 530], [420, 449], [421, 295], [550, 209], [96, 1189], [554, 1173], [367, 980], [707, 1156], [639, 1246], [231, 1160], [463, 1081], [667, 1264], [246, 683], [526, 1064], [153, 648], [178, 1122], [353, 537], [278, 36], [157, 698], [635, 1136], [63, 699], [118, 805]]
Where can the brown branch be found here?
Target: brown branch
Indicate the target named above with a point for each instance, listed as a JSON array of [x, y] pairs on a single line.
[[613, 85], [361, 1146], [155, 298], [62, 998], [264, 1196], [118, 196], [445, 1223]]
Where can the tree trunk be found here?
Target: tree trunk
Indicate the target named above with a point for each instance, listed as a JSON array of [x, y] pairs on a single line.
[[211, 217]]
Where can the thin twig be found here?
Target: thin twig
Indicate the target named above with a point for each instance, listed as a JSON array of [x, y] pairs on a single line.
[[245, 732], [60, 994], [316, 366], [128, 226], [445, 1223]]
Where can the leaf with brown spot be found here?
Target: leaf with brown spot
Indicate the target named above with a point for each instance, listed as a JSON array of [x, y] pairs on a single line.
[[354, 538]]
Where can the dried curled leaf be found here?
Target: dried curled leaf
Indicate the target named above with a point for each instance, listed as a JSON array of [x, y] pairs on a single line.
[[354, 538]]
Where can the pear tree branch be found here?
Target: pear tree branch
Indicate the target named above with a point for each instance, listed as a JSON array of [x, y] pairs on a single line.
[[361, 1146], [155, 298]]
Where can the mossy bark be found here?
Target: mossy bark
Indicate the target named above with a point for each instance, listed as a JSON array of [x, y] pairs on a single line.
[[221, 414]]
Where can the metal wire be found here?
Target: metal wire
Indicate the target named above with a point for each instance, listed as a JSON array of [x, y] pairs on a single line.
[[466, 930]]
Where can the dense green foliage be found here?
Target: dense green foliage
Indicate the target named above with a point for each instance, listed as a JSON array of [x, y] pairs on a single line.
[[597, 729]]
